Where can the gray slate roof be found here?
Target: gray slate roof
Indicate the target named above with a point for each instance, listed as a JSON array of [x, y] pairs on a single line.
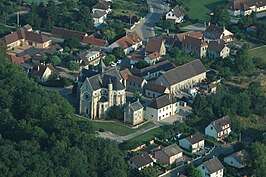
[[172, 150], [98, 14], [221, 122], [216, 46], [184, 72], [162, 101], [141, 159], [136, 106], [213, 165]]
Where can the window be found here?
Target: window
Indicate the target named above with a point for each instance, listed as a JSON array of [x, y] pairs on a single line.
[[203, 167], [211, 128], [151, 115]]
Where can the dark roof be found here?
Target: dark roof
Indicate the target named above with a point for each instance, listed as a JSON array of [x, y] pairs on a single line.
[[240, 156], [66, 33], [136, 106], [219, 123], [162, 101], [171, 150], [86, 73], [184, 72], [161, 66], [125, 73], [40, 69], [101, 5], [194, 41], [154, 44], [141, 159], [98, 14], [135, 79], [215, 30], [195, 138], [246, 4], [103, 99], [155, 87], [178, 11], [213, 165], [217, 46]]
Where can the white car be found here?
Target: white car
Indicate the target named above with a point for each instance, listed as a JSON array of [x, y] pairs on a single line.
[[119, 61], [113, 64]]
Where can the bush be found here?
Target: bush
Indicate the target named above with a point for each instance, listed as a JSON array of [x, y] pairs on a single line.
[[101, 130], [73, 66]]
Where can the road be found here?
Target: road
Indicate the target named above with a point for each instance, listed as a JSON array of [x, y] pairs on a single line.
[[225, 150], [145, 28]]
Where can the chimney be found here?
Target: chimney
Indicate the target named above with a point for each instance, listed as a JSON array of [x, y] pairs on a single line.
[[209, 24], [131, 66], [191, 136], [218, 42], [38, 68]]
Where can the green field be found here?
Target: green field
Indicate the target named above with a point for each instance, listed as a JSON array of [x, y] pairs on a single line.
[[258, 52], [199, 9]]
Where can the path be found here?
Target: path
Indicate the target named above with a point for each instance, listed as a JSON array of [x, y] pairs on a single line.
[[120, 139]]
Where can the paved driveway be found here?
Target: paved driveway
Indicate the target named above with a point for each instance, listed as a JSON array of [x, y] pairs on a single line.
[[146, 27]]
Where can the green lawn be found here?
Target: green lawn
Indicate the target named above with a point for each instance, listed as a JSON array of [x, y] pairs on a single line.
[[131, 8], [116, 127], [258, 52], [149, 135], [199, 9]]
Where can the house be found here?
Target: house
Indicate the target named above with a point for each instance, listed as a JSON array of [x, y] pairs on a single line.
[[125, 73], [93, 41], [218, 49], [103, 6], [219, 128], [23, 37], [153, 71], [100, 91], [215, 33], [194, 46], [237, 159], [153, 90], [130, 42], [134, 113], [193, 143], [211, 168], [42, 72], [98, 17], [153, 58], [169, 154], [183, 77], [156, 44], [175, 15], [140, 161], [135, 83], [246, 7], [175, 40], [162, 107], [91, 58], [18, 60], [60, 34], [137, 56]]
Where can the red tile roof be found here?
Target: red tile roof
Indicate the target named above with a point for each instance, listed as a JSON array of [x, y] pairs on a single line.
[[154, 44], [16, 60], [154, 55], [94, 41], [128, 40]]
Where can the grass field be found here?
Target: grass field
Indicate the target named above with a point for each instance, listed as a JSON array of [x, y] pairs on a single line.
[[258, 52], [118, 128], [137, 8], [199, 9], [149, 135]]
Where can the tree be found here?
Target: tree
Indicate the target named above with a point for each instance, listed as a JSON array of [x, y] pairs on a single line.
[[258, 159], [55, 60], [243, 62], [193, 171], [73, 66], [71, 43], [118, 52], [261, 32], [221, 16], [199, 105], [142, 64], [109, 58], [108, 33], [149, 172], [116, 113], [244, 104], [137, 95]]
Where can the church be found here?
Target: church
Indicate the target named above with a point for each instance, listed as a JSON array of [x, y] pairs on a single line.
[[100, 91]]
